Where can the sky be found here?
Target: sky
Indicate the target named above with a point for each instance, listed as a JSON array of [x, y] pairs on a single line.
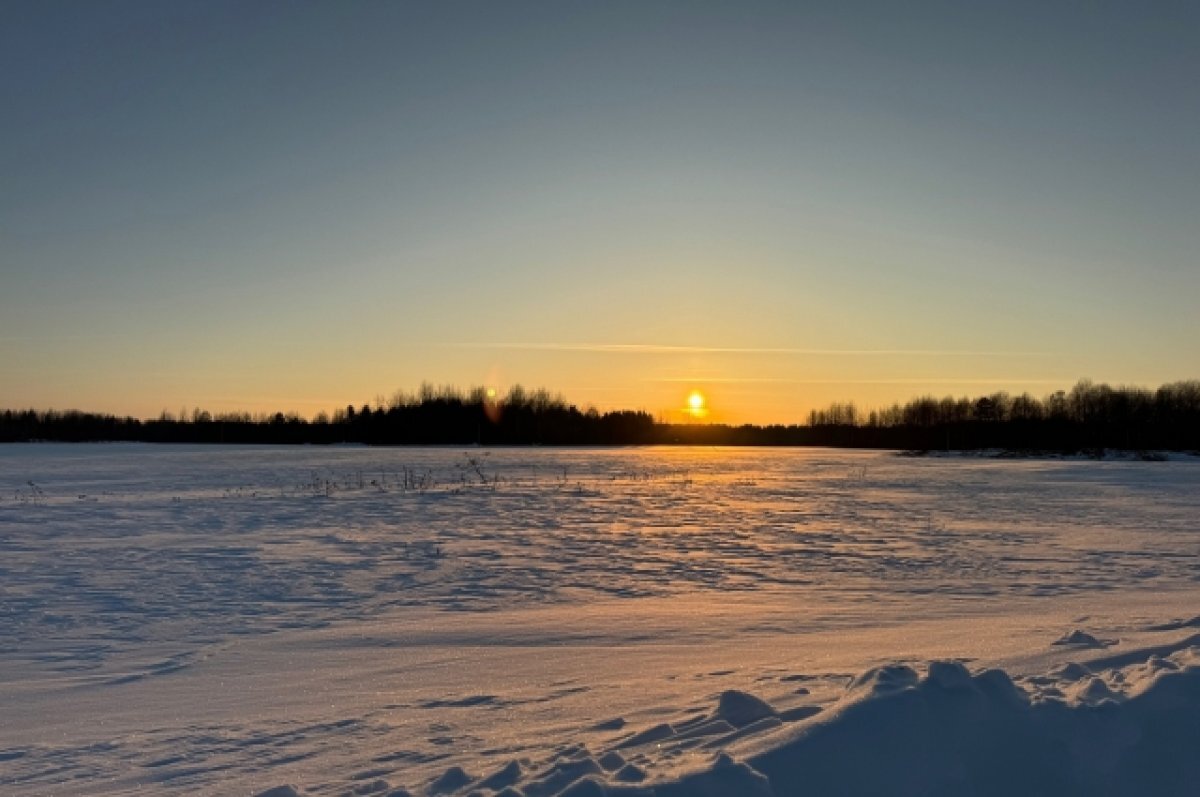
[[296, 206]]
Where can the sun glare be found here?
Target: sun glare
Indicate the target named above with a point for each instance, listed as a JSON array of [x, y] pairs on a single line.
[[696, 405]]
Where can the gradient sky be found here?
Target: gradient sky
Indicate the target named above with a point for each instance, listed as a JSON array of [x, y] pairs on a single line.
[[295, 206]]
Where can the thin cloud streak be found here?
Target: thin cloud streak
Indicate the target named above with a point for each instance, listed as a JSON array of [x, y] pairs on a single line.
[[51, 338], [910, 381], [652, 348]]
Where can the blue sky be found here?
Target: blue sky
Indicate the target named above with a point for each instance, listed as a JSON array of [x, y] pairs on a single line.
[[299, 205]]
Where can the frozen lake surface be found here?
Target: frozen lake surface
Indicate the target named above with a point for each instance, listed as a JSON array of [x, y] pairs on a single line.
[[233, 620]]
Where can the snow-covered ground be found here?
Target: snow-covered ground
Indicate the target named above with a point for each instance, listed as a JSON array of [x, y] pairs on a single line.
[[219, 620]]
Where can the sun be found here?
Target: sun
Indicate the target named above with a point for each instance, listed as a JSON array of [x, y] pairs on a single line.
[[696, 405]]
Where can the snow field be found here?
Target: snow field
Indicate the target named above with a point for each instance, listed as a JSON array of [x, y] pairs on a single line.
[[632, 621]]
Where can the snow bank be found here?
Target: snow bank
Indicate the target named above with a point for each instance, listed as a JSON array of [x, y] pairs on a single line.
[[951, 732], [1132, 730]]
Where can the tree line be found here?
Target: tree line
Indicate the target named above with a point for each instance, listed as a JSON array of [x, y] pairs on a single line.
[[1088, 417], [432, 416]]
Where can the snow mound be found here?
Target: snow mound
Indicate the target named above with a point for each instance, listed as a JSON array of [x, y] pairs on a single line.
[[727, 777], [280, 791], [450, 781], [740, 709], [954, 732], [1071, 671], [1082, 639], [502, 778]]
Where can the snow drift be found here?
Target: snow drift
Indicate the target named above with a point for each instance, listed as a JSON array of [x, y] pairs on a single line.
[[1125, 731], [1130, 730]]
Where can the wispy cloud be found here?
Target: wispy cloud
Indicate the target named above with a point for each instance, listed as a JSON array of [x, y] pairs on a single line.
[[766, 380], [654, 348], [49, 338], [933, 380]]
